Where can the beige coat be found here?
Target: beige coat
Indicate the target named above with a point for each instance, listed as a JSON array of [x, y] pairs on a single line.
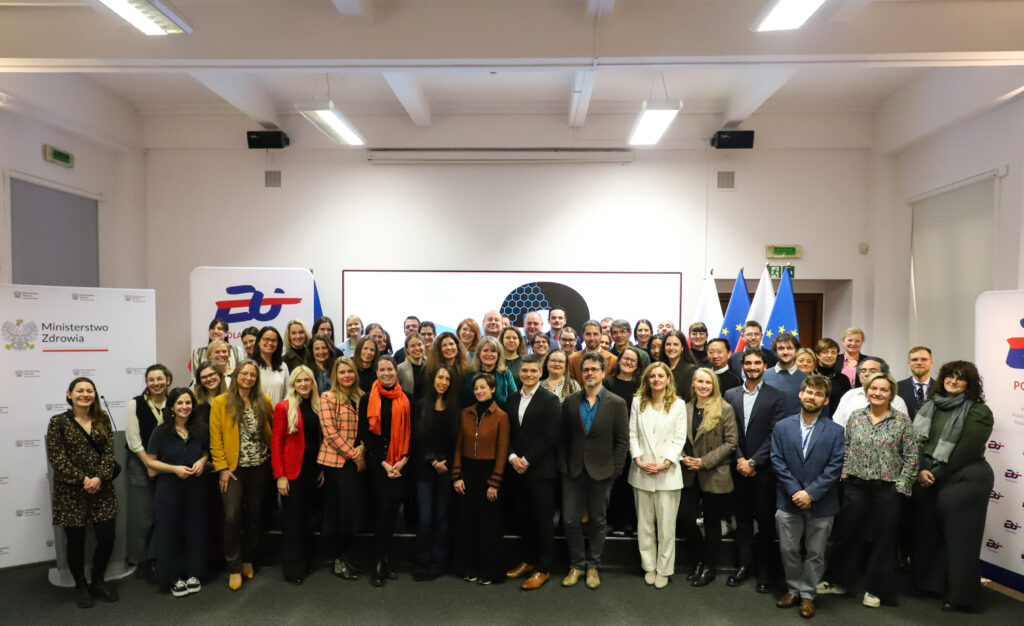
[[715, 450], [656, 435]]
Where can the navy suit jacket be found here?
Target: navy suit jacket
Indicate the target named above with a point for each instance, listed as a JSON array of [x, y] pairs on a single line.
[[755, 441], [536, 439], [905, 390], [818, 474]]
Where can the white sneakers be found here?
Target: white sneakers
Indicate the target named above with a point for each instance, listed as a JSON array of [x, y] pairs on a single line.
[[871, 601], [185, 587], [825, 588]]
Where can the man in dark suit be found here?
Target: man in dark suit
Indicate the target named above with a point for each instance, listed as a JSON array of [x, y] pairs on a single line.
[[807, 455], [592, 452], [752, 335], [758, 407], [718, 360], [914, 390], [534, 416]]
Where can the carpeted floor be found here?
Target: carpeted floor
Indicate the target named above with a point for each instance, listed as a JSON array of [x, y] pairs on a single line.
[[27, 598]]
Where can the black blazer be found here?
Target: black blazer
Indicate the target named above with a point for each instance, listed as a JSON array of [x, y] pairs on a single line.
[[769, 408], [905, 390], [536, 439], [603, 451], [736, 362]]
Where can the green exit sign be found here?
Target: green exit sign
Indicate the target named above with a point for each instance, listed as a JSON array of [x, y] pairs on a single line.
[[775, 271], [785, 251], [60, 157]]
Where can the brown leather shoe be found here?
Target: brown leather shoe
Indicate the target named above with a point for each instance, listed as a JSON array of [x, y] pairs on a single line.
[[788, 601], [235, 582], [247, 570], [806, 608], [593, 580], [535, 581], [572, 577], [519, 570]]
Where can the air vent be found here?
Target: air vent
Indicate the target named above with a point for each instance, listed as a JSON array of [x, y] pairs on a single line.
[[272, 178], [726, 180]]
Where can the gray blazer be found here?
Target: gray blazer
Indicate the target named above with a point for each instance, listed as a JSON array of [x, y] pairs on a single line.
[[603, 451], [715, 450], [405, 377]]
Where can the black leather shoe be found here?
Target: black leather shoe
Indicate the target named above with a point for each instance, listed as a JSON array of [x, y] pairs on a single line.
[[739, 577], [82, 596], [380, 575], [343, 570], [704, 579], [949, 607], [103, 593], [762, 587], [390, 573], [695, 572]]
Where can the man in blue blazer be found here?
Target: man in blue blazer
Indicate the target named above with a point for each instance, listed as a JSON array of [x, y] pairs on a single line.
[[807, 455], [915, 389], [757, 407]]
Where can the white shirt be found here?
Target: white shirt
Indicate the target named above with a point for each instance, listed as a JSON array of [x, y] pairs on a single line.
[[857, 399], [524, 401]]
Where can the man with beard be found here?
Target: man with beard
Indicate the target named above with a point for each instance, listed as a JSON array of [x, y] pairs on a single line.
[[914, 390], [785, 376], [807, 455], [592, 343]]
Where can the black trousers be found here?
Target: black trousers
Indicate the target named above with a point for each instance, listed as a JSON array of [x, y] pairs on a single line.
[[871, 509], [621, 507], [344, 507], [388, 494], [179, 512], [104, 533], [702, 549], [754, 501], [950, 521], [243, 507], [478, 525], [297, 523], [534, 511]]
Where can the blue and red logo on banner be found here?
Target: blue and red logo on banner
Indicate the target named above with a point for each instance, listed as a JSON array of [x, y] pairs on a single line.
[[253, 305]]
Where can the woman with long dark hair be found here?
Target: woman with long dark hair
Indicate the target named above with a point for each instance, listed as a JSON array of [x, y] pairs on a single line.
[[481, 451], [447, 350], [320, 359], [249, 342], [675, 352], [643, 330], [953, 484], [323, 326], [208, 384], [380, 337], [144, 413], [80, 449], [436, 426], [624, 382], [385, 426], [294, 446], [240, 435], [365, 358], [177, 456], [273, 370]]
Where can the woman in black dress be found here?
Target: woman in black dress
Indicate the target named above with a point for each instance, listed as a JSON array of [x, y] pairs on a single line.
[[365, 359]]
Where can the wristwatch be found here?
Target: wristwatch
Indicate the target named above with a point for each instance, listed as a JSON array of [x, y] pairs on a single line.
[[752, 463]]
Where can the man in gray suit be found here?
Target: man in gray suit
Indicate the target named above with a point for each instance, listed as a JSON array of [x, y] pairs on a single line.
[[591, 454]]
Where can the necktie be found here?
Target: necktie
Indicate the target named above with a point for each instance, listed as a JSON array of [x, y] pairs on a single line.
[[919, 394]]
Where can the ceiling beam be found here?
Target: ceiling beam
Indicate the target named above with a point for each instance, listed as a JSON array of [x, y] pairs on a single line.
[[243, 92], [941, 98], [582, 90], [759, 84], [599, 7], [354, 8], [848, 10], [410, 93]]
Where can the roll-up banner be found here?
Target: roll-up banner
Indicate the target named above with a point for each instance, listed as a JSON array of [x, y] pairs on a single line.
[[999, 355], [50, 336], [250, 296]]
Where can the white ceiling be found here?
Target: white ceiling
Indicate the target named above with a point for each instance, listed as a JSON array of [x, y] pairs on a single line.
[[422, 58]]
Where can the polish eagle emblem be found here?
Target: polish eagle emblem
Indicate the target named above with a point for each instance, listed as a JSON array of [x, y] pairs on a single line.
[[19, 335]]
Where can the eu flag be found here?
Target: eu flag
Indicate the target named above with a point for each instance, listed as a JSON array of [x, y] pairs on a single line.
[[736, 312], [783, 317]]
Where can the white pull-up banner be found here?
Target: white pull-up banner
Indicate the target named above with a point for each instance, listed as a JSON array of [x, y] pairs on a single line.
[[50, 336]]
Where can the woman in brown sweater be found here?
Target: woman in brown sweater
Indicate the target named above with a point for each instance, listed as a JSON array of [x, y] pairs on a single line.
[[481, 450]]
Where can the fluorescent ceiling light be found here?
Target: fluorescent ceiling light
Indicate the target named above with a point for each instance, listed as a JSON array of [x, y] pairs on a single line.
[[331, 122], [785, 14], [653, 121], [152, 17]]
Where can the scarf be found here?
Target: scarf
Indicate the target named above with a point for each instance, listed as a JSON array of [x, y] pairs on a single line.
[[959, 405], [400, 424]]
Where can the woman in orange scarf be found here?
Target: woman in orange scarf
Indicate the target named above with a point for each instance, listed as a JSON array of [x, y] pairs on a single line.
[[385, 425]]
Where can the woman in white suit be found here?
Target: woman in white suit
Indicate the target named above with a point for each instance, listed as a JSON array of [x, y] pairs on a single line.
[[657, 433]]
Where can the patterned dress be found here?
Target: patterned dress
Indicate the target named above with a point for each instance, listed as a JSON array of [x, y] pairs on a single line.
[[74, 458]]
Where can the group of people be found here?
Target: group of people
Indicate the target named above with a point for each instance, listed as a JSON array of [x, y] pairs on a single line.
[[492, 428]]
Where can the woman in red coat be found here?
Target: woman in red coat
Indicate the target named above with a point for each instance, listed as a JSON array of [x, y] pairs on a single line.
[[294, 447]]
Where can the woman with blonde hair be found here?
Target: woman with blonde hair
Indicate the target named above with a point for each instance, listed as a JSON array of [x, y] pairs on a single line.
[[710, 442], [353, 332], [489, 359], [342, 458], [294, 446], [296, 337], [657, 433], [240, 435]]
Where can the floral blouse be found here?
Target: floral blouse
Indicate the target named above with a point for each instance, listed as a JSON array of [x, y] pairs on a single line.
[[886, 451]]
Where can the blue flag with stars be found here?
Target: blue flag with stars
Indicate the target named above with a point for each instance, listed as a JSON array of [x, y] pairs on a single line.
[[783, 317], [736, 312]]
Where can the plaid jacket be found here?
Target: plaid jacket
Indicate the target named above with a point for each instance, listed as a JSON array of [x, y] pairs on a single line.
[[340, 425]]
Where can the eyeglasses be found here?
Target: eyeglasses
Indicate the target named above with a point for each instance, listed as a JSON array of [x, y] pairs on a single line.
[[209, 376], [268, 340], [630, 361], [587, 370]]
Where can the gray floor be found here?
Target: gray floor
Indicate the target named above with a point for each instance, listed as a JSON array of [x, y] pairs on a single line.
[[27, 598]]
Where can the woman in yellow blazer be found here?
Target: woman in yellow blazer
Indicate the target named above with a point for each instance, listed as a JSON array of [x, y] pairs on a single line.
[[240, 448], [710, 442], [657, 432]]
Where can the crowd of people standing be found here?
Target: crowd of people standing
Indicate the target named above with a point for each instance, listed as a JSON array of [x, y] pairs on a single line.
[[490, 428]]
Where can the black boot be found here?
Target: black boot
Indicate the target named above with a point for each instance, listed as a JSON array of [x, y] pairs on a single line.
[[698, 567], [102, 592], [391, 574], [380, 574], [82, 597]]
